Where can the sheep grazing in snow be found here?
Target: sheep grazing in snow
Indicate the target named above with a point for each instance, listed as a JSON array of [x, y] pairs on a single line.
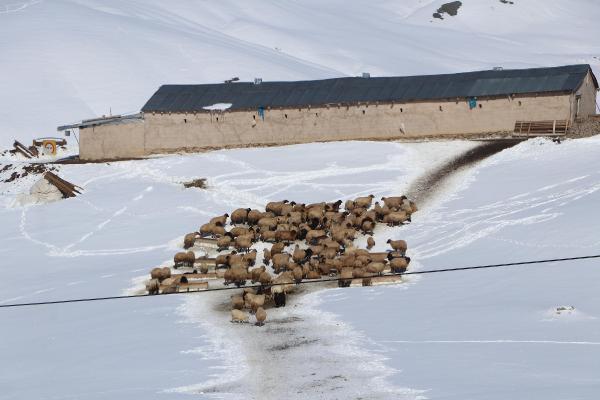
[[243, 243], [189, 240], [152, 286], [298, 274], [345, 277], [393, 202], [370, 242], [254, 301], [237, 302], [240, 216], [277, 248], [398, 265], [184, 259], [219, 221], [363, 202], [375, 268], [265, 278], [261, 316], [224, 242], [396, 218], [398, 245], [239, 316], [160, 273]]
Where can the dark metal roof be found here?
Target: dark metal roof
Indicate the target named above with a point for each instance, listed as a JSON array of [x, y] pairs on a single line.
[[244, 95]]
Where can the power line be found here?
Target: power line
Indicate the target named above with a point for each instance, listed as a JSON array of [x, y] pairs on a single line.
[[431, 271]]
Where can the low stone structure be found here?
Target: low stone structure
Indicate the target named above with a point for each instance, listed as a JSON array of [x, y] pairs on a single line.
[[474, 104]]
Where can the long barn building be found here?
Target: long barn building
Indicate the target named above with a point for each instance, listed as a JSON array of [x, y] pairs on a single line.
[[472, 104]]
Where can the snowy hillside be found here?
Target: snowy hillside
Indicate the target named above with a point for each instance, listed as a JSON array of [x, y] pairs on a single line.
[[64, 60]]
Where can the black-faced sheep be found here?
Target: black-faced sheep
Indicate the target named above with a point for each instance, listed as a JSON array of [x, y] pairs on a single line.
[[220, 220], [240, 216], [393, 202], [363, 202], [224, 242], [398, 245]]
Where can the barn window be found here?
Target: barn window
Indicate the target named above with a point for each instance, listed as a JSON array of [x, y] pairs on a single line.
[[254, 117], [217, 119], [401, 110], [185, 120], [285, 116]]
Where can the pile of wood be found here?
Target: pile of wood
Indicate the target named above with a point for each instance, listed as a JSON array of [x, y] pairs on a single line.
[[27, 152], [66, 188]]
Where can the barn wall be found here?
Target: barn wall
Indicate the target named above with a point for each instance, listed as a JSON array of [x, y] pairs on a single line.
[[110, 141], [163, 133], [587, 105], [172, 132]]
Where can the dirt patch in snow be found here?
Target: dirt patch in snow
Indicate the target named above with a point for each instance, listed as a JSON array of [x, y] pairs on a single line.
[[448, 8], [427, 186]]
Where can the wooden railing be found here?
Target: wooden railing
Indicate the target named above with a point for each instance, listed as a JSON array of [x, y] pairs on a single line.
[[535, 128]]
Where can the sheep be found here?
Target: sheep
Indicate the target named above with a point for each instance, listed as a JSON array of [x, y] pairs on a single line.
[[266, 256], [398, 265], [280, 261], [152, 286], [285, 236], [395, 218], [160, 274], [295, 218], [224, 242], [250, 257], [378, 257], [349, 205], [375, 268], [276, 206], [267, 223], [277, 248], [243, 243], [237, 302], [364, 202], [239, 231], [212, 230], [220, 220], [254, 301], [367, 226], [239, 316], [268, 236], [398, 245], [393, 202], [184, 259], [261, 316], [255, 273], [222, 260], [265, 278], [345, 277], [313, 275], [240, 216], [253, 217], [298, 274], [314, 234], [189, 240], [370, 242], [301, 256]]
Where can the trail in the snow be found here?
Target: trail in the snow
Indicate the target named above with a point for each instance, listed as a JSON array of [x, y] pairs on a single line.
[[423, 189]]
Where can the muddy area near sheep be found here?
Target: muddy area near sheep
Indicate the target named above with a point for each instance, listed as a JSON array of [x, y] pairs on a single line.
[[427, 187], [300, 351]]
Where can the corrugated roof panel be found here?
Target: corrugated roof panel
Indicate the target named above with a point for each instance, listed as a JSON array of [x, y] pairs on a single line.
[[245, 95]]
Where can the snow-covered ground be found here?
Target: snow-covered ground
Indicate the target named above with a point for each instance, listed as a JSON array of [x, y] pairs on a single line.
[[64, 60], [483, 334]]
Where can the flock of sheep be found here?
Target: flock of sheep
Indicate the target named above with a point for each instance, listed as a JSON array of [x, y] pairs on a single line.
[[301, 242]]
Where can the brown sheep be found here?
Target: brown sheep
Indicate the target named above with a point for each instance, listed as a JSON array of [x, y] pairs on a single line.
[[280, 261], [189, 240], [250, 257], [313, 275], [240, 216], [255, 273], [276, 206], [370, 242], [268, 236], [364, 202], [398, 245], [239, 231], [286, 236], [375, 268], [253, 301], [267, 224], [243, 243], [261, 316], [367, 226], [265, 278], [393, 202], [239, 316], [395, 218], [345, 277], [224, 242], [152, 286], [398, 265], [277, 248], [184, 259], [298, 274], [237, 302], [253, 217], [379, 257], [266, 256], [220, 220]]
